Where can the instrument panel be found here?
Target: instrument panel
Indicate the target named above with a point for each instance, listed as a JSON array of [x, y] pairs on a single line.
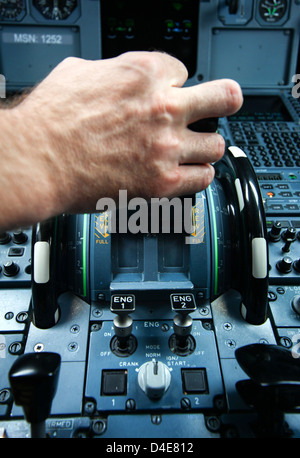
[[156, 337]]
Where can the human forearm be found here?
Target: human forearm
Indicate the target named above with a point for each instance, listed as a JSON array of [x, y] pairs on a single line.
[[26, 191], [92, 128]]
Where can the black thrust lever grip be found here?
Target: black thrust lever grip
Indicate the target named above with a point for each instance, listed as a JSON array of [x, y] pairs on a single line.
[[44, 300], [253, 247], [33, 378]]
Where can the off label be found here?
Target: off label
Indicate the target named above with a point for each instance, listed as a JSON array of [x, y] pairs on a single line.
[[122, 303], [183, 302]]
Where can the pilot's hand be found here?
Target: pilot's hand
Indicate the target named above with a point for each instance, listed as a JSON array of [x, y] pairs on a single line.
[[92, 128]]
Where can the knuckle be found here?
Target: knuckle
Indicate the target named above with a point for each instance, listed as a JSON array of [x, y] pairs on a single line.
[[165, 106], [208, 176], [67, 61], [220, 146], [162, 166], [141, 62], [138, 72], [165, 146], [165, 183]]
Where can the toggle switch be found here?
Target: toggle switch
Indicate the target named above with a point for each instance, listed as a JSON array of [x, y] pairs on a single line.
[[124, 342], [183, 305], [122, 305], [182, 342]]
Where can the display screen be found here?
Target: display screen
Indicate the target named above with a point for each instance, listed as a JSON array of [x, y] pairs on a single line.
[[29, 53], [262, 108]]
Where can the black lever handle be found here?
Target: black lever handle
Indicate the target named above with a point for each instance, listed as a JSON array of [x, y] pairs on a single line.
[[240, 182], [44, 294], [33, 378], [273, 388]]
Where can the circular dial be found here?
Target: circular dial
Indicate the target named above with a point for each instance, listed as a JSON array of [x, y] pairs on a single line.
[[10, 9], [272, 10], [55, 9]]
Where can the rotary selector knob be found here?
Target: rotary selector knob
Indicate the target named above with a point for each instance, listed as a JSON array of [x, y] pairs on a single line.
[[274, 234], [289, 234], [296, 304], [297, 265], [154, 378], [4, 238], [19, 237], [10, 269], [285, 265]]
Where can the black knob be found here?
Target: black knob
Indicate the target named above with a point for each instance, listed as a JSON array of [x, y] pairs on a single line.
[[10, 269], [182, 325], [274, 233], [296, 304], [285, 265], [297, 265], [33, 378], [4, 238], [273, 387], [19, 237], [289, 234]]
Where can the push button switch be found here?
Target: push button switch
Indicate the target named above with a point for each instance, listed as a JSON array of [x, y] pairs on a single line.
[[114, 383], [194, 381], [15, 251]]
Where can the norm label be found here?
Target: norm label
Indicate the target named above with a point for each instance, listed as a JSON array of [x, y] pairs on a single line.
[[122, 303], [183, 302]]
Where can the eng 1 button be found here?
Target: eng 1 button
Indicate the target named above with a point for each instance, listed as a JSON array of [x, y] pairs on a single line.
[[183, 302], [122, 303]]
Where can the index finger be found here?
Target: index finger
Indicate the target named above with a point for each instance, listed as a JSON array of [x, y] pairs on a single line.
[[213, 99]]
